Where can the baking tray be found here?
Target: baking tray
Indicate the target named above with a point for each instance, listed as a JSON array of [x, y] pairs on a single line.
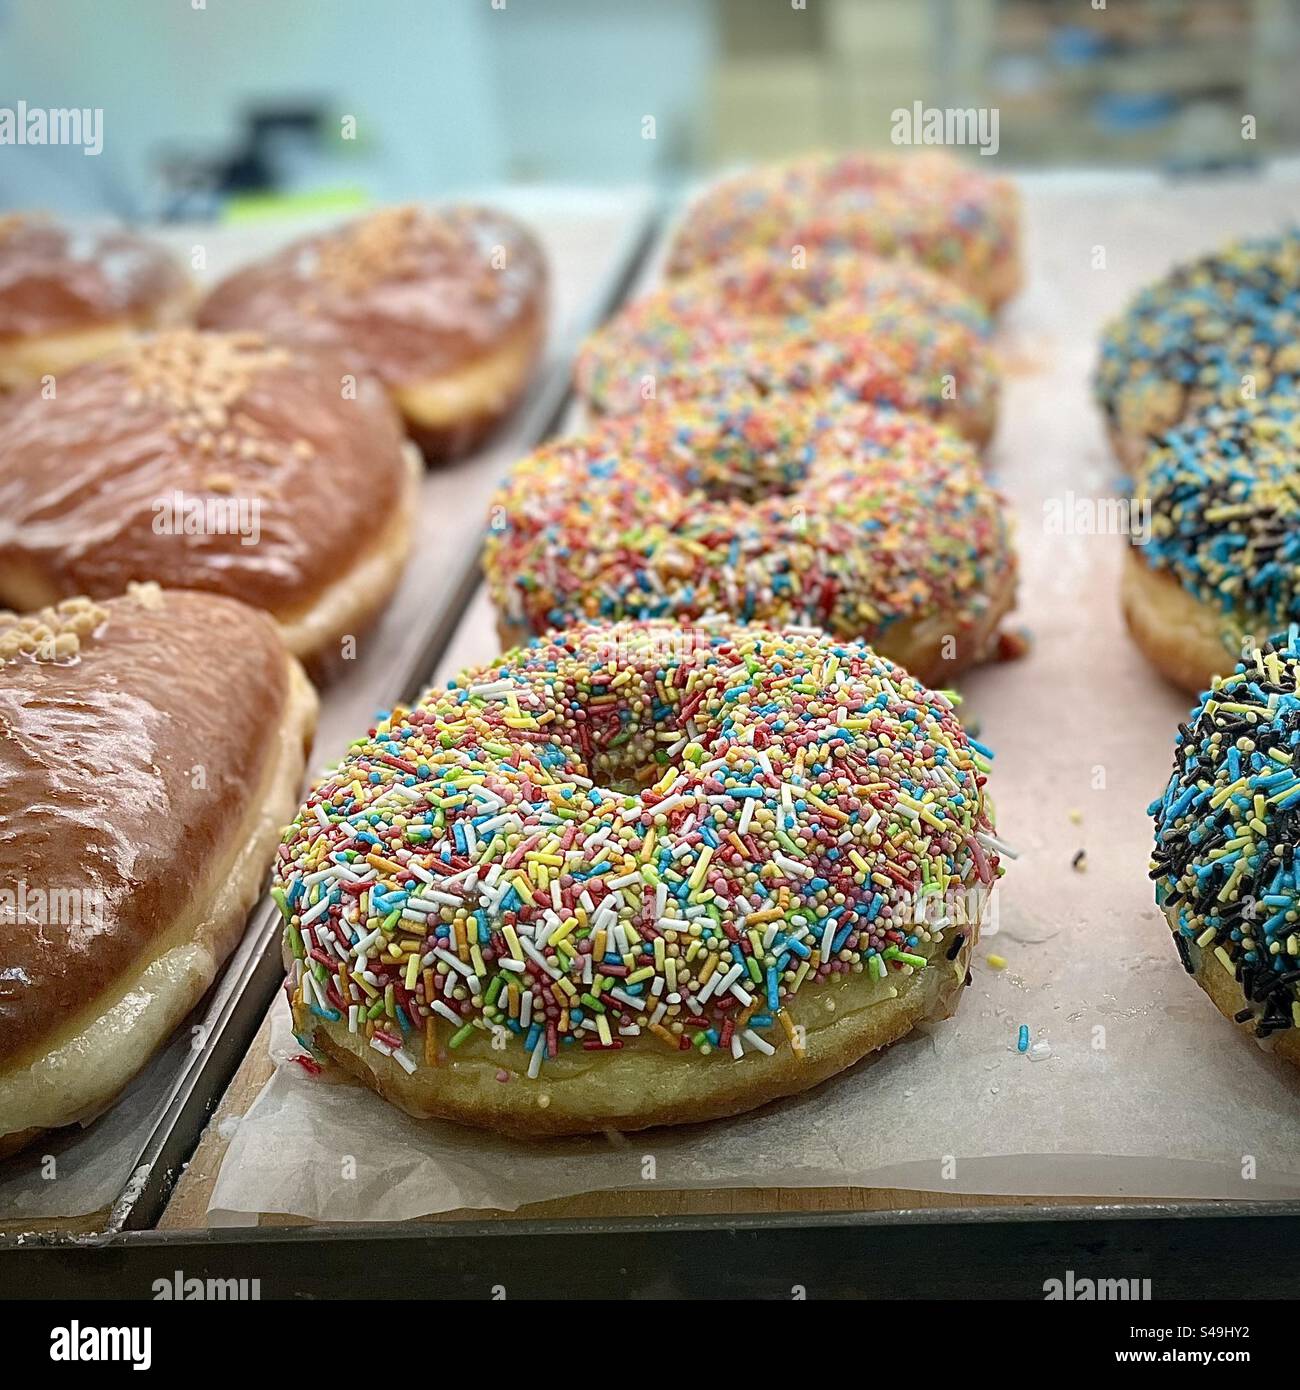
[[1216, 1250], [231, 1012]]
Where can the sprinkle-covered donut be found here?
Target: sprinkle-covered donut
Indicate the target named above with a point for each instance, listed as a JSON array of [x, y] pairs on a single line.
[[866, 523], [637, 874], [1225, 865], [882, 332], [1221, 330], [947, 216], [1221, 565]]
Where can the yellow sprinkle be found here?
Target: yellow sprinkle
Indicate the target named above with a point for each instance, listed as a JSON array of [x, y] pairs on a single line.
[[997, 962]]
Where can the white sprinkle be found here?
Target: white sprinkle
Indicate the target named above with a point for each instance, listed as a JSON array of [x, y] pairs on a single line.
[[790, 866], [493, 690], [319, 910], [762, 1044], [454, 962], [363, 946]]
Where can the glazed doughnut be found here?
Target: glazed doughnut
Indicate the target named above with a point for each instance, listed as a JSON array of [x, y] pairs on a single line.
[[1221, 569], [68, 295], [943, 214], [447, 308], [867, 523], [635, 875], [150, 749], [878, 331], [1225, 866], [211, 461], [1219, 331]]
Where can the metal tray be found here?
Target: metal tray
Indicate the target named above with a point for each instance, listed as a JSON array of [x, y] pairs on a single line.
[[232, 1011], [1200, 1251]]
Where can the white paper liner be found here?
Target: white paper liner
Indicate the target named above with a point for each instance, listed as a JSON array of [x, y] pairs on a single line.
[[1166, 1101]]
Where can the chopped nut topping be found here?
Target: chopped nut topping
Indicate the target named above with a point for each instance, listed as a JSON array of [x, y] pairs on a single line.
[[53, 634]]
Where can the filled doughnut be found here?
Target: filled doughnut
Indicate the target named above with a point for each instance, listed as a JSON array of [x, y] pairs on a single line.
[[447, 308], [1221, 567], [71, 294], [211, 461], [1220, 331], [943, 214], [635, 875], [867, 523], [150, 749], [1225, 866], [871, 330]]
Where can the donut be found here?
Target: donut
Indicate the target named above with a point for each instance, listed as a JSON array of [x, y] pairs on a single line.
[[1217, 331], [447, 308], [867, 523], [68, 295], [211, 461], [1225, 867], [150, 749], [1221, 567], [945, 215], [872, 330], [634, 875]]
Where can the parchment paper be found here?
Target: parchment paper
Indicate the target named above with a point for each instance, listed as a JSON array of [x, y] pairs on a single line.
[[1147, 1091]]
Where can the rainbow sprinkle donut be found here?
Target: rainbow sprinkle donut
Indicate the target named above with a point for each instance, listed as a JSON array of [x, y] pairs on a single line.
[[1219, 331], [867, 523], [1225, 865], [637, 875], [943, 214], [871, 330], [1221, 566]]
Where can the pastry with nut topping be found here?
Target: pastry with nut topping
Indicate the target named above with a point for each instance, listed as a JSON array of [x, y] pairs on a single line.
[[212, 461], [447, 307], [70, 294], [150, 749]]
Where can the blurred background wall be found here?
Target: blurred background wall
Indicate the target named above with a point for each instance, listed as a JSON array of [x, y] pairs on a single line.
[[227, 107]]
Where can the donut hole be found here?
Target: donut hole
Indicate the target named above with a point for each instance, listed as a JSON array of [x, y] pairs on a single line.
[[628, 768], [747, 455], [630, 732], [630, 748]]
